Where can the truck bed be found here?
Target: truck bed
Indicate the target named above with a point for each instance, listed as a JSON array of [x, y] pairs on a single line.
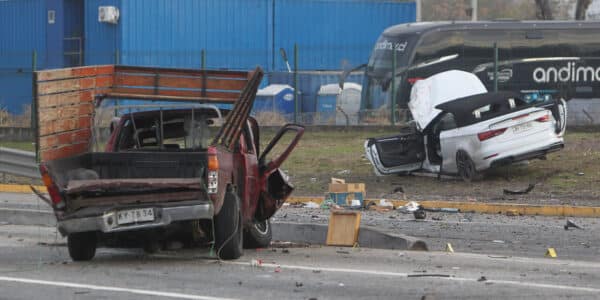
[[106, 178]]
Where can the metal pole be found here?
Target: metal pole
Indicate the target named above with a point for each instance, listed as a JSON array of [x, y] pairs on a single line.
[[204, 75], [117, 56], [34, 115], [418, 10], [295, 83], [474, 10], [393, 91], [495, 67]]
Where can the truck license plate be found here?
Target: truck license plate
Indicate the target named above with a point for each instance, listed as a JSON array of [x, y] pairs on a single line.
[[135, 215]]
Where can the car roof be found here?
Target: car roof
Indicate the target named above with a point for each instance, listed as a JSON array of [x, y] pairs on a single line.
[[441, 88], [463, 108]]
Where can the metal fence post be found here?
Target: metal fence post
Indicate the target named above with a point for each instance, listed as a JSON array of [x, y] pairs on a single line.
[[393, 91], [204, 75], [34, 115], [117, 56], [295, 83], [495, 67]]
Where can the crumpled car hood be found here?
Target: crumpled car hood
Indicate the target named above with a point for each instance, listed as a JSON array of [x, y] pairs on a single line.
[[440, 88]]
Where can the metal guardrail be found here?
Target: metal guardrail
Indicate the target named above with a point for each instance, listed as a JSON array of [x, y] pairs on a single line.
[[18, 162]]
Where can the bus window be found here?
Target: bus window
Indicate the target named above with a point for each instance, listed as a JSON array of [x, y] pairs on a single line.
[[381, 57], [479, 55], [581, 43], [439, 51]]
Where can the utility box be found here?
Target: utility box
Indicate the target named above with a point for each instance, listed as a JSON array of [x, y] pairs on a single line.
[[108, 14]]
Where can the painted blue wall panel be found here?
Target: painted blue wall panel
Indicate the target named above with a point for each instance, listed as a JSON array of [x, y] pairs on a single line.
[[173, 33], [73, 32], [330, 33], [55, 35], [15, 91], [101, 39], [22, 30]]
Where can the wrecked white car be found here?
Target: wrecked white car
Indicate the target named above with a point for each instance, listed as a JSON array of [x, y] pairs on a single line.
[[460, 128]]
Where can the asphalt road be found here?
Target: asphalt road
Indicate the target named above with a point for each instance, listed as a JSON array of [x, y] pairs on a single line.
[[34, 264], [526, 236], [508, 252]]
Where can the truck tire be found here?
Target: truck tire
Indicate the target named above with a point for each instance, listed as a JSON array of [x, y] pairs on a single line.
[[82, 245], [229, 235], [258, 235]]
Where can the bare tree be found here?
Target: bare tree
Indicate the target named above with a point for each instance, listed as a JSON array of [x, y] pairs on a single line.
[[581, 9], [544, 11]]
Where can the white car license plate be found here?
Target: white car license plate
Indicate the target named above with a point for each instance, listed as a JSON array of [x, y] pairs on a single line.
[[522, 127], [135, 215]]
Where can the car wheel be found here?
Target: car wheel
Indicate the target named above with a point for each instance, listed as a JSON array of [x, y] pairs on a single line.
[[229, 235], [466, 167], [258, 235], [82, 245]]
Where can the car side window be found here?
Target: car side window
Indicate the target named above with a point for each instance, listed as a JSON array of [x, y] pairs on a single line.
[[447, 122]]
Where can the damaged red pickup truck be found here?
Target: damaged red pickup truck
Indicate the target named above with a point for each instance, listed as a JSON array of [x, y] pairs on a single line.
[[136, 157]]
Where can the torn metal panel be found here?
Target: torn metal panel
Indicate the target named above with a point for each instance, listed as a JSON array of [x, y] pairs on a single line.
[[231, 130], [77, 186]]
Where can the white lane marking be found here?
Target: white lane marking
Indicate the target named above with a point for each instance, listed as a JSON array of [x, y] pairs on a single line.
[[110, 289], [399, 274]]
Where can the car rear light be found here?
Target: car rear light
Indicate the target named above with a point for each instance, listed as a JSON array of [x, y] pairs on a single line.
[[486, 135], [53, 191], [213, 171], [412, 80], [545, 118]]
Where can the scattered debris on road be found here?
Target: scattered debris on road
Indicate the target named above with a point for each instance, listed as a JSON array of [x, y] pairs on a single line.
[[551, 252], [520, 192], [571, 224]]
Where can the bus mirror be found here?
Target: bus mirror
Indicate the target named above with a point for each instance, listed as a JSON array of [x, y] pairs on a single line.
[[346, 73]]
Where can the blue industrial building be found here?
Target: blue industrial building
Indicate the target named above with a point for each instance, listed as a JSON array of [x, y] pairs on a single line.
[[233, 34]]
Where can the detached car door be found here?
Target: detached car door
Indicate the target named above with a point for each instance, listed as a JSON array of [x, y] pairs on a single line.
[[274, 185], [396, 154]]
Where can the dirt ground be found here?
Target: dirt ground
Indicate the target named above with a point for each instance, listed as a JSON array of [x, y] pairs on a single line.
[[570, 176]]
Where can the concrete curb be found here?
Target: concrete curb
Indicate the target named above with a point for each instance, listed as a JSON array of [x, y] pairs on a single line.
[[477, 207], [368, 237], [487, 208], [20, 188]]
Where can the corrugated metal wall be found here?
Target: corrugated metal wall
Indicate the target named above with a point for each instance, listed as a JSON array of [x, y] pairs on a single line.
[[101, 39], [332, 32], [22, 30], [240, 34], [234, 33]]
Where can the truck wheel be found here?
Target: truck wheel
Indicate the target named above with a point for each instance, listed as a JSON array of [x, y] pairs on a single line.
[[82, 245], [229, 234], [466, 167], [258, 235]]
